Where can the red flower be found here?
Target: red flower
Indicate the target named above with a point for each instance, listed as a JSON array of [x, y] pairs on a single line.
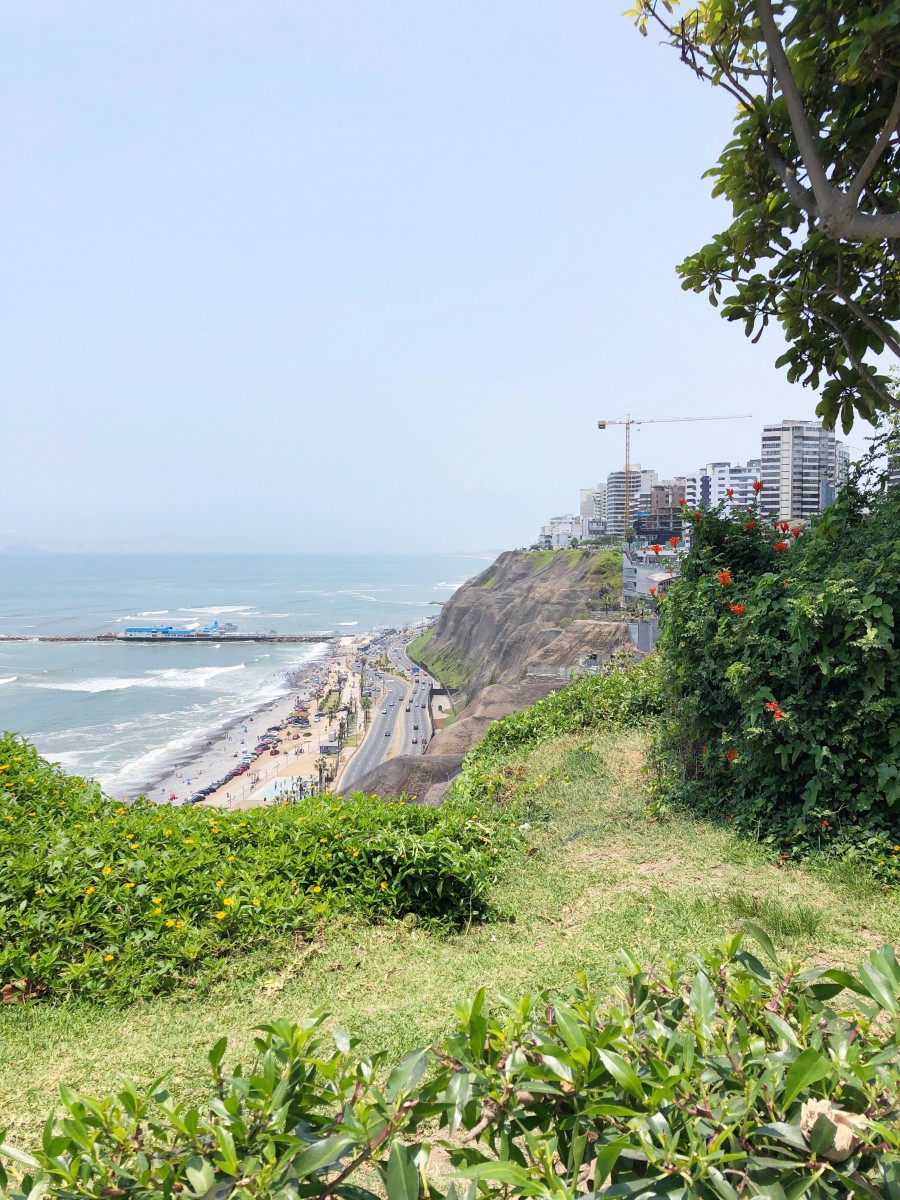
[[731, 756], [771, 705], [698, 516], [652, 591], [777, 714], [673, 541], [796, 531], [683, 500], [784, 526], [758, 486], [780, 547], [729, 492], [738, 608], [656, 548], [749, 524], [724, 577]]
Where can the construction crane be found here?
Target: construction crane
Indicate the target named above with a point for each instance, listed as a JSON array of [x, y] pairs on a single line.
[[629, 421]]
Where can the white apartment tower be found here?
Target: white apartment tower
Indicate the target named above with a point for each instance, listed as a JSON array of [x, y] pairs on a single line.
[[639, 484], [803, 467]]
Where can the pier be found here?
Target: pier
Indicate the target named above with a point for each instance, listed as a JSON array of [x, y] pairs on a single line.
[[192, 639]]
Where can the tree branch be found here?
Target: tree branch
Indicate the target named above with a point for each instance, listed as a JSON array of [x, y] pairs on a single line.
[[860, 367], [822, 189], [800, 195], [888, 337], [862, 175]]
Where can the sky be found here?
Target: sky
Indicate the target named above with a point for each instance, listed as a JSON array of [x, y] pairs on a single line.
[[351, 275]]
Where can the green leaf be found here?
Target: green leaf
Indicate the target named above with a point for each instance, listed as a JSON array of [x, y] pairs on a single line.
[[760, 936], [703, 1000], [503, 1172], [622, 1072], [878, 987], [809, 1067], [407, 1074], [18, 1156], [783, 1132], [324, 1153], [822, 1134], [402, 1178], [217, 1053]]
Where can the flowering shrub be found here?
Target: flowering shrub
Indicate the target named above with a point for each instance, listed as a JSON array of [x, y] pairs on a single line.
[[716, 1077], [114, 900], [782, 679]]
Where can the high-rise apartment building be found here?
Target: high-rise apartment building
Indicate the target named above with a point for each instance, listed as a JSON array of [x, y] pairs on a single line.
[[803, 467], [593, 503], [640, 483]]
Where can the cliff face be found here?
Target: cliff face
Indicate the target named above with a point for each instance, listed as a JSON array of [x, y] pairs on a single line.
[[526, 610]]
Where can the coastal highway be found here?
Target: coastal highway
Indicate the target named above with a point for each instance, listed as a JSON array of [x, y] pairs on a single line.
[[391, 733]]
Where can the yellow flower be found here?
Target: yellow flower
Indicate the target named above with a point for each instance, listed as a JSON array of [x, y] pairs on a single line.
[[383, 885], [220, 883], [77, 824], [242, 825], [169, 923], [189, 841], [157, 899], [129, 835], [323, 839], [329, 856], [33, 957], [168, 833], [107, 957], [129, 885], [107, 870], [294, 884], [220, 916], [38, 891], [88, 892], [228, 900], [179, 924], [256, 902], [157, 912], [317, 888], [9, 818], [230, 858], [34, 814]]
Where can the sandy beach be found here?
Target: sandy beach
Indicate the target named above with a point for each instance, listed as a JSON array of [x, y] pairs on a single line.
[[298, 748]]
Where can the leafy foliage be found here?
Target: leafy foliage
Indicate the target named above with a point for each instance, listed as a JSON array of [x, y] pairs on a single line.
[[626, 692], [813, 177], [783, 680], [112, 900], [718, 1077]]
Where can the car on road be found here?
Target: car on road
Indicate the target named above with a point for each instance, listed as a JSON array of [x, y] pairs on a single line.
[[415, 726], [407, 708], [384, 712], [415, 741], [387, 733]]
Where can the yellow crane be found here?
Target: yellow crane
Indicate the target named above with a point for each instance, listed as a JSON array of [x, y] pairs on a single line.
[[629, 421]]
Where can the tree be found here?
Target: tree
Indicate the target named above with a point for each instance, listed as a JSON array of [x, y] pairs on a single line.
[[813, 176]]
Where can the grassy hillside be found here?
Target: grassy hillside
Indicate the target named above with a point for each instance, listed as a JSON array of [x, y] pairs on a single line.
[[451, 669], [593, 874]]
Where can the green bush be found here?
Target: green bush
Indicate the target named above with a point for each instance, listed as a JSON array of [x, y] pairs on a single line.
[[717, 1078], [112, 900], [782, 679]]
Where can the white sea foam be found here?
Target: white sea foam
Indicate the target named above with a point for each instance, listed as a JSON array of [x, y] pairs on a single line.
[[348, 622], [442, 584], [213, 609], [9, 679], [172, 677]]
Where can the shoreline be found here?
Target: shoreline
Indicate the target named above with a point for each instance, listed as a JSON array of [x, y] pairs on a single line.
[[214, 750]]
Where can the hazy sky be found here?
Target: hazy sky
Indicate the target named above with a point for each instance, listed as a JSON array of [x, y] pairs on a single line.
[[303, 275]]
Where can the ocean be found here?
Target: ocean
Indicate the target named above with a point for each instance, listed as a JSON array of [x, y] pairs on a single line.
[[118, 713]]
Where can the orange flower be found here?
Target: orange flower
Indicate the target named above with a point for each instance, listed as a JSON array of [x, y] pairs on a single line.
[[780, 547], [652, 591], [749, 524], [724, 577], [758, 486], [656, 547], [739, 609], [777, 714], [771, 705], [796, 531], [731, 755], [673, 541]]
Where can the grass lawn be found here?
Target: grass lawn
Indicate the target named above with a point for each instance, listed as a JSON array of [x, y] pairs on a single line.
[[601, 876]]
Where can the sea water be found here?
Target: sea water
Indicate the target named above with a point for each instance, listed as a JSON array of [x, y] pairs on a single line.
[[115, 712]]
